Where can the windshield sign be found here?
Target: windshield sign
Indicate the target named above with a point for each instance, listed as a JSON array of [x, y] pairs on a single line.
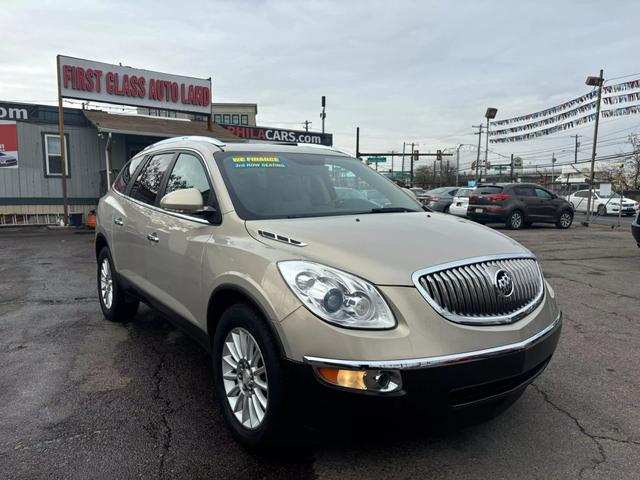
[[290, 185]]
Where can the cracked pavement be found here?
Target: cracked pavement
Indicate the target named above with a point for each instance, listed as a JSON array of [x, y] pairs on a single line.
[[84, 398]]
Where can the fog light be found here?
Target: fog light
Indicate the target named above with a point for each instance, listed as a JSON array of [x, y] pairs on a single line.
[[383, 381]]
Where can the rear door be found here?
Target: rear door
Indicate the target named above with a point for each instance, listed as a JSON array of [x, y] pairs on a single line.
[[528, 199], [549, 204], [174, 260], [121, 223], [142, 198]]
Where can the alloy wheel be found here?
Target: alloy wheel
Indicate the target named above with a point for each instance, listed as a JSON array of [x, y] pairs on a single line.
[[244, 376], [106, 284], [565, 220], [516, 220]]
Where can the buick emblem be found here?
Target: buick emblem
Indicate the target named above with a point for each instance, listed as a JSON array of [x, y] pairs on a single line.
[[503, 282]]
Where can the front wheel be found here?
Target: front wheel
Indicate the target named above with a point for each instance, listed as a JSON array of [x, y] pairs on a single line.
[[116, 305], [249, 378], [515, 220], [565, 220], [602, 210]]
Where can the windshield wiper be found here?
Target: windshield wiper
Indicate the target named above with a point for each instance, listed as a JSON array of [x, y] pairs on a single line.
[[391, 210]]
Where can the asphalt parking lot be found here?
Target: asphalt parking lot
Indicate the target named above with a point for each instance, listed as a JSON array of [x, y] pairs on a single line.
[[84, 398]]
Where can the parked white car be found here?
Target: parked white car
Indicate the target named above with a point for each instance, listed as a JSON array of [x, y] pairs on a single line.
[[461, 202], [603, 205]]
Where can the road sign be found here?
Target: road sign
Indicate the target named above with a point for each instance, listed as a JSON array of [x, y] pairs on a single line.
[[500, 168], [517, 161], [471, 183], [377, 160]]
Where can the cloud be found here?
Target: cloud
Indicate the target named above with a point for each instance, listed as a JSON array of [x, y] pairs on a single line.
[[415, 71]]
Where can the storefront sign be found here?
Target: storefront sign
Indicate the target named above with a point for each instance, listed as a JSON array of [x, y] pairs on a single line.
[[103, 82], [8, 144], [279, 135], [16, 111]]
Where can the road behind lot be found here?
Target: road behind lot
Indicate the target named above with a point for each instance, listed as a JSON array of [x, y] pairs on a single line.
[[84, 398]]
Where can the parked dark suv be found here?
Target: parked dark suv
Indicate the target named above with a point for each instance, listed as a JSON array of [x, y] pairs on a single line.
[[518, 205]]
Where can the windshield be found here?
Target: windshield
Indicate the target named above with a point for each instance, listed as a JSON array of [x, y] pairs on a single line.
[[288, 185]]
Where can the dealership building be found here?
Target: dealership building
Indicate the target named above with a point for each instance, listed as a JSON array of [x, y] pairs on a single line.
[[97, 140]]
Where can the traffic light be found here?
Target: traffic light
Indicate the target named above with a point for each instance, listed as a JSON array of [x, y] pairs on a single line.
[[439, 155], [416, 155]]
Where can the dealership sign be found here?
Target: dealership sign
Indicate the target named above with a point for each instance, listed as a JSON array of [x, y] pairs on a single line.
[[279, 135], [103, 82], [8, 144]]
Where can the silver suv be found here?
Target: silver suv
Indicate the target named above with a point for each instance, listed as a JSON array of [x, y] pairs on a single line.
[[294, 288]]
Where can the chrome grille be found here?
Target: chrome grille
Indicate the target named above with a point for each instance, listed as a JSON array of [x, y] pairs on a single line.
[[476, 291]]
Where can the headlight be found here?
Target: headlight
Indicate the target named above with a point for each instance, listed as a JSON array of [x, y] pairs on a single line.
[[337, 297]]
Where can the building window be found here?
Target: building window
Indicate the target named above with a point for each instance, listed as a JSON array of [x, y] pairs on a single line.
[[217, 118], [226, 119], [235, 119], [52, 155], [244, 119]]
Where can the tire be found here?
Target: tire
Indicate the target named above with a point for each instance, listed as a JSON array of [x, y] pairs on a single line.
[[116, 305], [238, 320], [565, 219], [602, 210], [515, 220], [446, 209]]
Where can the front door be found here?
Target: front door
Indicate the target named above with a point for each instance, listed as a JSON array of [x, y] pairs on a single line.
[[174, 261], [548, 205]]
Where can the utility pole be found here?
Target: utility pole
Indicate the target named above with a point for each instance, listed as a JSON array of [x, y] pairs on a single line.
[[358, 143], [479, 127], [323, 115], [596, 81], [306, 124], [457, 163], [575, 152], [411, 174], [403, 144], [553, 162], [511, 180]]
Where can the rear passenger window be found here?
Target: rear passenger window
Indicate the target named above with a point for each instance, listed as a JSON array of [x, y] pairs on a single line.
[[524, 191], [188, 172], [148, 182], [126, 173], [543, 194]]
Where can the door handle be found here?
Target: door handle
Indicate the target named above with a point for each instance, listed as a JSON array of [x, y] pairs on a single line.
[[153, 237], [118, 221]]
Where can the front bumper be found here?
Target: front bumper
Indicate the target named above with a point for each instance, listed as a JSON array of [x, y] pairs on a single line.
[[464, 379]]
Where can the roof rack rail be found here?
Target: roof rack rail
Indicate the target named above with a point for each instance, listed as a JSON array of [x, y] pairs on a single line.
[[197, 138]]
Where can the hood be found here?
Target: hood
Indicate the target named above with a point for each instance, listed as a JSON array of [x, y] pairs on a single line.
[[384, 248]]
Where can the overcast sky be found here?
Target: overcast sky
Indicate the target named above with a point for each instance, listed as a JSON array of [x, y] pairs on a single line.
[[421, 71]]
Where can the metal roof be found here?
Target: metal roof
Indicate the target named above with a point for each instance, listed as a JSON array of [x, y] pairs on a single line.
[[155, 127]]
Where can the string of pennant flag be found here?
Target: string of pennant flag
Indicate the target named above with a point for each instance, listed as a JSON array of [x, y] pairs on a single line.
[[560, 114]]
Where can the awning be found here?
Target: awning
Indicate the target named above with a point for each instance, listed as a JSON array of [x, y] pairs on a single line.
[[155, 127]]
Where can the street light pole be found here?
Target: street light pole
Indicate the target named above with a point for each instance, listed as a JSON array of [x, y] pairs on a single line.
[[479, 127], [594, 81], [490, 113], [458, 162], [323, 115]]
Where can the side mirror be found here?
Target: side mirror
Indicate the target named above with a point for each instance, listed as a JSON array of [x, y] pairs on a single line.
[[187, 200]]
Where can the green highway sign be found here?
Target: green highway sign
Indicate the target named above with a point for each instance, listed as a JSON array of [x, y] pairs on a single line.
[[500, 168], [377, 160]]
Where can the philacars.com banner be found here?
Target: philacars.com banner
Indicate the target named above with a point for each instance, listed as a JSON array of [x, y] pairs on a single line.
[[8, 144]]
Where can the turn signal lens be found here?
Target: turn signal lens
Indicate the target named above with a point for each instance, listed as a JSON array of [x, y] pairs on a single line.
[[382, 381], [344, 378]]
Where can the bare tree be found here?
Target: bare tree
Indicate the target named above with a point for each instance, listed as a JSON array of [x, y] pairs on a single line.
[[633, 163]]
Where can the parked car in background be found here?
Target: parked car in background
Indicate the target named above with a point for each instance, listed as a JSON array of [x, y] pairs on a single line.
[[297, 294], [461, 201], [7, 160], [635, 228], [518, 205], [439, 199], [420, 194], [602, 204]]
